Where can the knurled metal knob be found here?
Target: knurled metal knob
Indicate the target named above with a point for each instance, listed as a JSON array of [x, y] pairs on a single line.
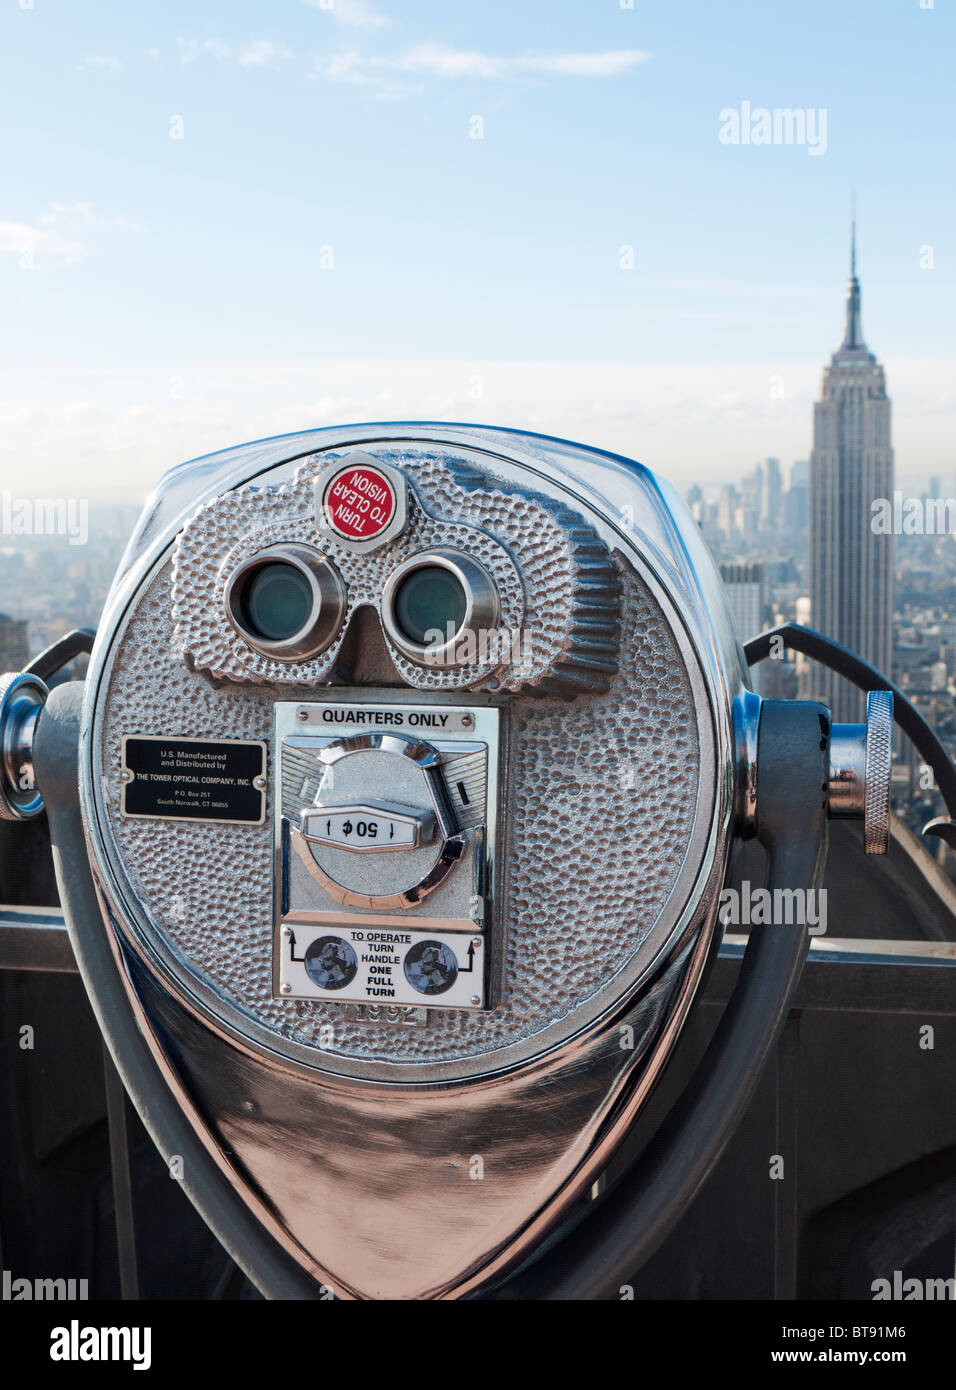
[[22, 697], [861, 766], [879, 771]]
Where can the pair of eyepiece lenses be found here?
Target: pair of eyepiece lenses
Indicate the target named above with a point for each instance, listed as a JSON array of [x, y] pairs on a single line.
[[288, 602]]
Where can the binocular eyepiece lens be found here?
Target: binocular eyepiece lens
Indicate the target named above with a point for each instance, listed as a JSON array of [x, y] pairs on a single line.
[[430, 601], [287, 602], [434, 598], [277, 602]]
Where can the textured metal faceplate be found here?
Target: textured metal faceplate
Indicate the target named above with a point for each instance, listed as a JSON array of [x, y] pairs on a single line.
[[562, 563], [602, 794]]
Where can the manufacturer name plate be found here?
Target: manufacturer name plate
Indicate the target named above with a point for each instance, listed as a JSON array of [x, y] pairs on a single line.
[[172, 778]]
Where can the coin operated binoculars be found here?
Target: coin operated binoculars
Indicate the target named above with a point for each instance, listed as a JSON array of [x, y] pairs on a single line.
[[390, 827]]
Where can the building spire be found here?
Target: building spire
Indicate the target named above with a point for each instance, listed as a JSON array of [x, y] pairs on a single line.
[[853, 332], [853, 241]]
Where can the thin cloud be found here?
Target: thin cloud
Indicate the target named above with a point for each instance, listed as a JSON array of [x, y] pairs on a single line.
[[357, 14], [26, 239], [100, 62], [352, 68], [256, 54], [262, 52], [191, 50], [84, 215], [390, 73], [60, 234]]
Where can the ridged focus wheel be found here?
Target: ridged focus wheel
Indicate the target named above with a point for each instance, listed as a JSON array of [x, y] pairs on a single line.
[[879, 765]]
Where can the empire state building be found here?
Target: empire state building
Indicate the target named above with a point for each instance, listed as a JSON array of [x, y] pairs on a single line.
[[851, 568]]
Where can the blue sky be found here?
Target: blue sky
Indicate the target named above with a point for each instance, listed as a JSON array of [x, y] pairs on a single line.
[[328, 242]]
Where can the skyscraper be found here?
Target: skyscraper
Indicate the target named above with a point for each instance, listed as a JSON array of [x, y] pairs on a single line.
[[14, 648], [746, 592], [772, 501], [796, 501], [851, 568]]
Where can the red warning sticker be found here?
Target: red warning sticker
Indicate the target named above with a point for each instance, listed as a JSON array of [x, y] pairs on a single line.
[[359, 502]]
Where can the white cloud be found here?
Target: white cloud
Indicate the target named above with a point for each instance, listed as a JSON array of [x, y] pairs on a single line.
[[448, 62], [358, 14], [388, 72], [192, 49], [76, 213], [60, 233], [350, 67], [255, 54], [83, 215], [32, 242], [101, 62], [262, 52], [609, 64]]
